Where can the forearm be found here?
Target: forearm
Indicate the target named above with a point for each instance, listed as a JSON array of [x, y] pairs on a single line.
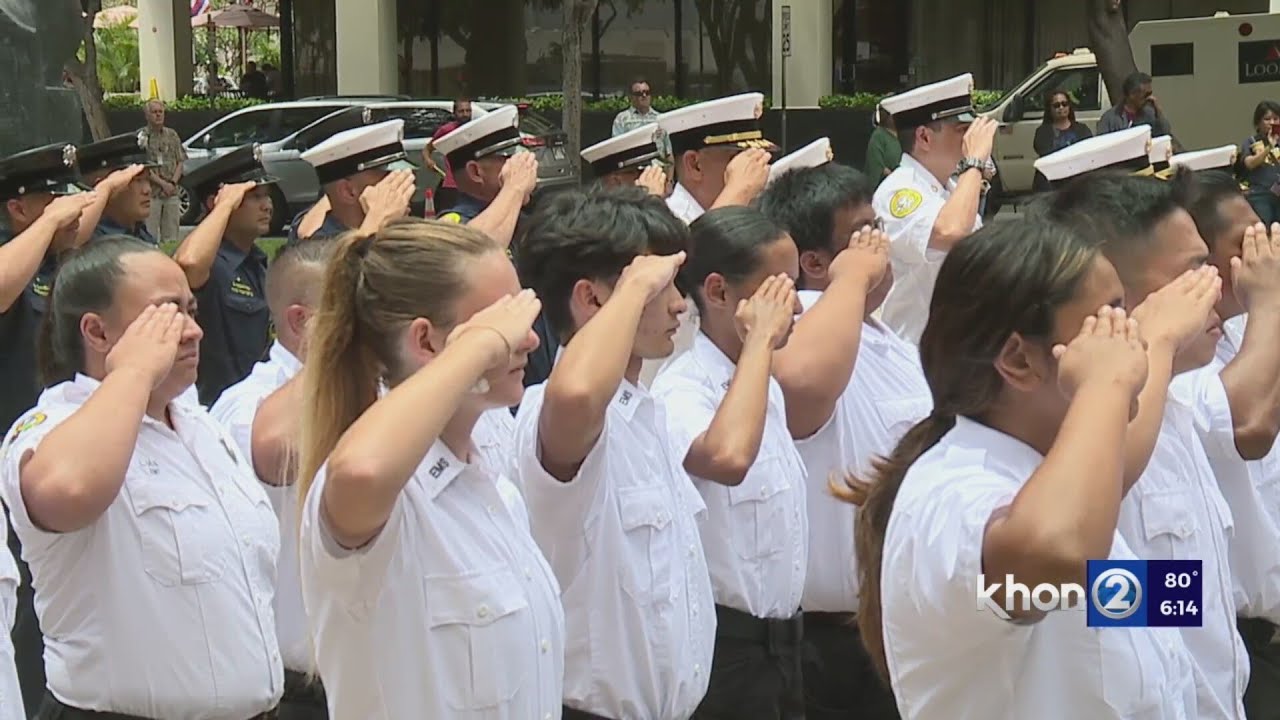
[[728, 448], [90, 216], [21, 257], [199, 249], [498, 221], [1252, 383], [1144, 429], [955, 220], [732, 196]]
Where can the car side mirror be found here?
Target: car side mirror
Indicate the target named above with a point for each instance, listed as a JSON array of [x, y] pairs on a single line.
[[1015, 109]]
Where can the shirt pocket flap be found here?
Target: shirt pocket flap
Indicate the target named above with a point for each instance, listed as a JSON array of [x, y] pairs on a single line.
[[641, 507], [1167, 512], [245, 304], [476, 599], [172, 495], [901, 413], [768, 481]]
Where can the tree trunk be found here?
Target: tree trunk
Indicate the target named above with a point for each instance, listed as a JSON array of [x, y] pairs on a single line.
[[84, 77], [577, 15], [1109, 40]]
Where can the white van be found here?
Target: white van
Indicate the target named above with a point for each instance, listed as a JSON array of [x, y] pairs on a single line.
[[1208, 73]]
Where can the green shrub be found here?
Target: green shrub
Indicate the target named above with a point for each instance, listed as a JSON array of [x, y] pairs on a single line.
[[555, 103], [868, 101], [187, 103]]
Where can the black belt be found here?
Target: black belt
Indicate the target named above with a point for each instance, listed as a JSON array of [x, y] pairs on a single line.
[[54, 709], [840, 619], [303, 689], [776, 634], [1259, 632], [575, 714]]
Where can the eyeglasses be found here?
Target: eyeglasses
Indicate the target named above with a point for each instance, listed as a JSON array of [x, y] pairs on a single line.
[[639, 93], [1060, 104]]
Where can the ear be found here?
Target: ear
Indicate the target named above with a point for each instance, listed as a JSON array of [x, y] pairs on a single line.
[[715, 291], [296, 318], [94, 333], [922, 136], [1024, 365], [422, 341], [690, 165], [473, 171], [585, 300], [813, 265]]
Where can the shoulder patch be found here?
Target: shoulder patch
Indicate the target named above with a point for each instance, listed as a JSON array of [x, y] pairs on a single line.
[[904, 202], [30, 422], [452, 217]]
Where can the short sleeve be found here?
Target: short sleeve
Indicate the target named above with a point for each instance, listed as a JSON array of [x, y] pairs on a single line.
[[236, 417], [909, 216], [689, 407], [25, 437], [353, 575]]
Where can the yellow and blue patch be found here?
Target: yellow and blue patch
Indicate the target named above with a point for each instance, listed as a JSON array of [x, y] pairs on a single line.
[[904, 202]]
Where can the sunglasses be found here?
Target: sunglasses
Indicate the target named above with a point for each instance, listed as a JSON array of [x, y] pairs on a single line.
[[1060, 104], [640, 93]]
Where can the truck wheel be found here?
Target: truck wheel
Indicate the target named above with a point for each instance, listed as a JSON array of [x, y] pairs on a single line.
[[189, 215]]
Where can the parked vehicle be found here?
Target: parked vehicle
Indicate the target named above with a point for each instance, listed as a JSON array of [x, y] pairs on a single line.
[[276, 126]]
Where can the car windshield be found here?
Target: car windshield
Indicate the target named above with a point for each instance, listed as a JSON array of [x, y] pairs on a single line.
[[535, 125]]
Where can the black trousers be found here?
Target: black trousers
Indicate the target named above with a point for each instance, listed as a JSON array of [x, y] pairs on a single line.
[[572, 714], [1262, 696], [756, 669], [28, 642], [303, 699], [52, 709], [839, 681]]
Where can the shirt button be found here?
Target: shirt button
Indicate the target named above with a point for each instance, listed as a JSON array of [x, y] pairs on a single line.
[[482, 612], [697, 669], [545, 646], [691, 550], [527, 574]]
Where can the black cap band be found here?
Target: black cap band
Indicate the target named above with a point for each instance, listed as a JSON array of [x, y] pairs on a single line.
[[353, 164], [487, 145], [941, 110], [625, 159]]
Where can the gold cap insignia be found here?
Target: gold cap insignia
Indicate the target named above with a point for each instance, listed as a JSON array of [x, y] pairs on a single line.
[[759, 111], [831, 156], [69, 155]]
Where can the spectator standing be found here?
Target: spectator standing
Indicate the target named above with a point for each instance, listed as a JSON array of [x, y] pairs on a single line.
[[447, 195], [1260, 162], [1059, 129], [253, 83], [1138, 107], [884, 151], [275, 83], [641, 113], [166, 153]]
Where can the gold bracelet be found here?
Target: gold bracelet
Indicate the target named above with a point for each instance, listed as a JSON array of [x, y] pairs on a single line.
[[491, 329]]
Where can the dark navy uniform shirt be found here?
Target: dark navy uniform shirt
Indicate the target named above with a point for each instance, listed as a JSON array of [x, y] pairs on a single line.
[[331, 227], [465, 209], [234, 317], [107, 227], [19, 326]]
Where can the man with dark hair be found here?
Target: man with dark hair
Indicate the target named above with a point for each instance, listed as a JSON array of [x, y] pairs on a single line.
[[1138, 107], [845, 373], [1230, 227], [1188, 414], [933, 200], [446, 196]]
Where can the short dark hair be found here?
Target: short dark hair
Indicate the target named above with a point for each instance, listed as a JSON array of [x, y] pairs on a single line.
[[907, 135], [1119, 212], [804, 202], [1207, 192], [1264, 107], [726, 241], [591, 235], [86, 282], [1048, 106], [639, 81], [1135, 81]]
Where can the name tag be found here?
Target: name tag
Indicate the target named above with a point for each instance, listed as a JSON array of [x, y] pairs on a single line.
[[438, 469], [242, 288], [40, 287]]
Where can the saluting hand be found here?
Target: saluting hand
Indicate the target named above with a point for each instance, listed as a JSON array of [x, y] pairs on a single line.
[[120, 179], [230, 196], [149, 346], [64, 211], [1255, 274], [865, 259], [653, 179], [520, 172], [651, 274], [1108, 353], [507, 325], [769, 314], [387, 201], [747, 173], [980, 139], [1178, 313]]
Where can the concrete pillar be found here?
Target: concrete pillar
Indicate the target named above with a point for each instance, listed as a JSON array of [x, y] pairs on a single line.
[[810, 65], [367, 47], [1275, 6], [164, 47]]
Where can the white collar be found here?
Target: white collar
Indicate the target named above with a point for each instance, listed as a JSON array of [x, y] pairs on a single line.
[[439, 468], [713, 360], [286, 360], [925, 177], [1000, 451], [683, 196]]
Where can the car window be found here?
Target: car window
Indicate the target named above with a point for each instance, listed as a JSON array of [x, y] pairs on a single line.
[[531, 124], [1081, 84], [420, 123], [258, 126], [294, 119]]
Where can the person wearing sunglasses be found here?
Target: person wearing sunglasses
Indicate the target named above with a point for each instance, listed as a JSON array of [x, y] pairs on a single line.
[[1058, 130], [1138, 107]]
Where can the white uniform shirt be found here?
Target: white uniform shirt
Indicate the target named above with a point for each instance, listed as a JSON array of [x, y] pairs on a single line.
[[495, 439], [451, 611], [756, 534], [909, 201], [1251, 489], [949, 661], [1176, 512], [10, 692], [885, 397], [683, 205], [622, 538], [162, 607], [235, 409]]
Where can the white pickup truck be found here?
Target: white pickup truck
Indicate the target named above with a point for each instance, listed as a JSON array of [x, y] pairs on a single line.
[[1208, 73]]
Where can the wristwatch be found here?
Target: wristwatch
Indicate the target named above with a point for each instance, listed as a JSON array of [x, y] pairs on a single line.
[[970, 163]]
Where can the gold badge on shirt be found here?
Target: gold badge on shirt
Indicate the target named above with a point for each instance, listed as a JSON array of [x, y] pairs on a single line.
[[242, 288], [904, 202], [25, 425], [40, 287]]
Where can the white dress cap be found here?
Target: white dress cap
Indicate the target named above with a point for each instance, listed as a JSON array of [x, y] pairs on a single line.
[[1220, 158], [814, 154], [629, 149], [1161, 151], [495, 133], [370, 147], [1127, 149], [929, 103], [729, 121]]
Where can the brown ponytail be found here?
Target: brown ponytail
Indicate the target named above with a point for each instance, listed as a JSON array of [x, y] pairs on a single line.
[[373, 288]]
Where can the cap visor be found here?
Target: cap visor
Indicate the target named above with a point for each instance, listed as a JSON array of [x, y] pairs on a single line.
[[966, 117], [267, 180], [395, 165]]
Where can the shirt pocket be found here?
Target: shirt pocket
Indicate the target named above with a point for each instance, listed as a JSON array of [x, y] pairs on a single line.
[[757, 510], [1168, 523], [647, 522], [180, 532], [1134, 675], [482, 623]]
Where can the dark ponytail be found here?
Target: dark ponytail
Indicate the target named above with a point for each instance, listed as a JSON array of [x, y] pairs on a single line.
[[86, 282], [1006, 278]]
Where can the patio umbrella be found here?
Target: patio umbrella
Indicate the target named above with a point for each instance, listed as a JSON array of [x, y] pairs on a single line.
[[237, 16], [113, 17]]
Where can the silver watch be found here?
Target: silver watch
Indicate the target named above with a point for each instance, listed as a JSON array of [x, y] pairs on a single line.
[[970, 163]]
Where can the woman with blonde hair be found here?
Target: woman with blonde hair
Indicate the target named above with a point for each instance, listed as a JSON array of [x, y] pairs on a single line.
[[424, 590]]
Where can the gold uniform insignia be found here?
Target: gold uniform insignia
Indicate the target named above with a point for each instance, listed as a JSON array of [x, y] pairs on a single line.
[[452, 217], [27, 424], [242, 288], [904, 202]]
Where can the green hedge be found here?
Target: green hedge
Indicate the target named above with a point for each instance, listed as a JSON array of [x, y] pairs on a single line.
[[868, 101], [182, 104]]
